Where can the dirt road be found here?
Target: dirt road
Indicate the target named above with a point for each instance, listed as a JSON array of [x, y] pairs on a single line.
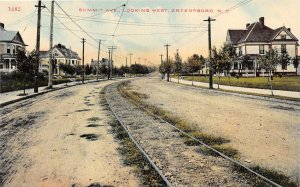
[[61, 139], [266, 133]]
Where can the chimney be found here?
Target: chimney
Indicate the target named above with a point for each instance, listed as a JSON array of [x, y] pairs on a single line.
[[59, 45], [2, 25], [289, 29], [262, 22], [247, 25]]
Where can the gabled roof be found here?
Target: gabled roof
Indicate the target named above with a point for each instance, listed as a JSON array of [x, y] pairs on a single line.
[[10, 36], [236, 35], [257, 32], [279, 30], [65, 52]]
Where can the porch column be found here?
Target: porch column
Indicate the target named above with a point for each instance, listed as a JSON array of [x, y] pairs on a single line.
[[9, 65]]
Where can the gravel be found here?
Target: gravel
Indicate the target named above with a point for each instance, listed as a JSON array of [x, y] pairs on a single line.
[[180, 163]]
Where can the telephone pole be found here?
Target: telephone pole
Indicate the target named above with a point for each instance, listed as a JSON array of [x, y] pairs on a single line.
[[83, 71], [111, 59], [167, 52], [37, 53], [98, 62], [50, 85], [130, 58], [209, 50], [109, 64], [130, 54], [161, 55]]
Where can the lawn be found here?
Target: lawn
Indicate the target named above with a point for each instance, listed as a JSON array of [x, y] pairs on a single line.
[[13, 85], [291, 83]]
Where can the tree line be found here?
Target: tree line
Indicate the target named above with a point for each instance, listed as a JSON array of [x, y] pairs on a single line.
[[222, 61]]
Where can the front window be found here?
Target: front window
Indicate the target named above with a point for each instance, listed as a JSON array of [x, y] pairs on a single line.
[[8, 49], [283, 48], [240, 51], [261, 49]]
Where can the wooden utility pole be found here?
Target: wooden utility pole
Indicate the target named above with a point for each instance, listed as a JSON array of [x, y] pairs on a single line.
[[111, 59], [130, 54], [130, 58], [83, 41], [50, 84], [37, 53], [161, 55], [109, 64], [209, 50], [98, 62], [167, 53]]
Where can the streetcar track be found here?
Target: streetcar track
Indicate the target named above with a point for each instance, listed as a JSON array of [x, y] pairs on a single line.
[[179, 175], [235, 162]]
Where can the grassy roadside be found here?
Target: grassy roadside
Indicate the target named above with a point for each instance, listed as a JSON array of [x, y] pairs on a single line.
[[218, 143], [131, 155], [288, 83], [247, 93]]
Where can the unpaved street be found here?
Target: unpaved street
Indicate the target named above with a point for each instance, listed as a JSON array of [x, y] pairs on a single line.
[[62, 138], [264, 132]]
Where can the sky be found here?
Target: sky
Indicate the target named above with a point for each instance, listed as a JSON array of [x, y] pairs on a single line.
[[145, 26]]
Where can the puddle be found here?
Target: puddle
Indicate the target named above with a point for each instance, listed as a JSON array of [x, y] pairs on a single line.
[[66, 94], [94, 125], [90, 137], [99, 185], [283, 108], [82, 110], [94, 119]]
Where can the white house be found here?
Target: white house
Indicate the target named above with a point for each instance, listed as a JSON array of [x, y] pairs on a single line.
[[102, 62], [61, 55], [256, 39], [11, 43]]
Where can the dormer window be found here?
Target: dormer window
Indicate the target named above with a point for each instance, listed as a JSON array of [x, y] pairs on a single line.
[[55, 54]]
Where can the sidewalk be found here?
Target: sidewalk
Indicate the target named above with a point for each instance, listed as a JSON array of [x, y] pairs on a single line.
[[11, 97], [242, 89]]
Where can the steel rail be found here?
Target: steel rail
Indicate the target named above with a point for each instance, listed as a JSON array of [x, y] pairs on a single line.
[[164, 178], [204, 144]]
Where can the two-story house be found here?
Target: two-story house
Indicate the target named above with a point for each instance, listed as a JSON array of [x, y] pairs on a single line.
[[11, 43], [61, 55], [256, 39], [94, 64]]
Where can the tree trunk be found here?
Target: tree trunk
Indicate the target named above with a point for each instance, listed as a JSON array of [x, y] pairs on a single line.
[[178, 77], [270, 81], [168, 77], [24, 86], [219, 80], [193, 79]]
